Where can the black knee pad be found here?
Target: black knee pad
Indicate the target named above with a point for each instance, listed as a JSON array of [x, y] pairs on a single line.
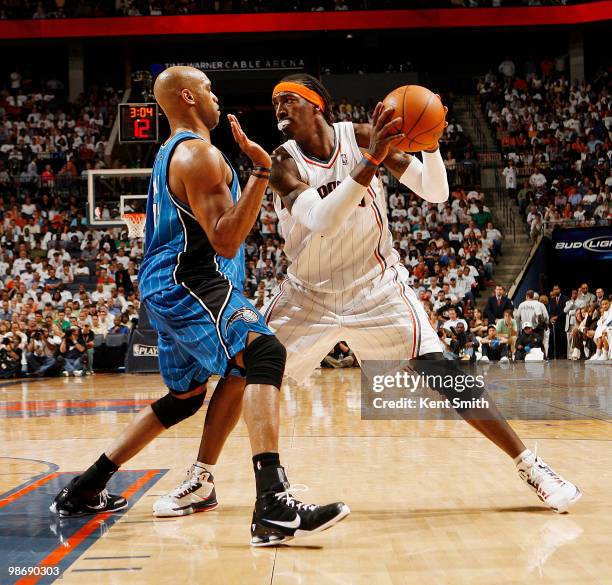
[[264, 361], [171, 410], [437, 368]]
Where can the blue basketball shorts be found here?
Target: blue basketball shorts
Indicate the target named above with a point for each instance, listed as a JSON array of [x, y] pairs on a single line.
[[200, 329]]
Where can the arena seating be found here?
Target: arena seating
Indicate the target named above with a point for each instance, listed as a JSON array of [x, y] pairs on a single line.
[[555, 137], [38, 9]]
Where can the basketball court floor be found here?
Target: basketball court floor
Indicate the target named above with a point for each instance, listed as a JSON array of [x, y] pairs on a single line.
[[432, 502]]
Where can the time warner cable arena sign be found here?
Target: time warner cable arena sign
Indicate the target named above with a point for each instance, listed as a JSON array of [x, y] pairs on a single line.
[[269, 64]]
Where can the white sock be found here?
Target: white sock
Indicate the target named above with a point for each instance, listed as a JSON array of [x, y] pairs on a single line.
[[524, 455], [199, 467]]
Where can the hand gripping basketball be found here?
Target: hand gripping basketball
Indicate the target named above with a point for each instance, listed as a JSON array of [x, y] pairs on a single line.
[[384, 132], [258, 156], [423, 117]]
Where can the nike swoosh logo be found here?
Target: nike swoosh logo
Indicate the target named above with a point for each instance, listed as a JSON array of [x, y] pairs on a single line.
[[295, 523]]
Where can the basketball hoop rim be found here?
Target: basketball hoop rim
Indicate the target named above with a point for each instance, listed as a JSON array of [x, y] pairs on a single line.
[[135, 223]]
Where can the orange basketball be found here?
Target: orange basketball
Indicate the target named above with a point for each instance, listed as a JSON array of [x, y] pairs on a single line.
[[422, 113]]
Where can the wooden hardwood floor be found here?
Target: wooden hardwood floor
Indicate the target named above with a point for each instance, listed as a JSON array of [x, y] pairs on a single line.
[[432, 501]]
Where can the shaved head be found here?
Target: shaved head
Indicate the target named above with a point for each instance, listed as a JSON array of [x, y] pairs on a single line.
[[184, 94]]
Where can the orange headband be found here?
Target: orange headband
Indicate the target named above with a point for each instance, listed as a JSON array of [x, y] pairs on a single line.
[[308, 94]]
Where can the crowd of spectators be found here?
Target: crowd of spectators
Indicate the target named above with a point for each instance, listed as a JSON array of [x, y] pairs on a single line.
[[62, 291], [44, 139], [38, 9], [555, 138], [65, 290], [552, 326]]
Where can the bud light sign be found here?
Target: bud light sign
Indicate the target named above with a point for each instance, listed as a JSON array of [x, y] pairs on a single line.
[[587, 244]]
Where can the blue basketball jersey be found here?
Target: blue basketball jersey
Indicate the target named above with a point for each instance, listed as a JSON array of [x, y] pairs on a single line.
[[177, 250]]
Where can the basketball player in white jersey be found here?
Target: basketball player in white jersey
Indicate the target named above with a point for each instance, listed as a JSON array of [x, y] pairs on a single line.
[[345, 280]]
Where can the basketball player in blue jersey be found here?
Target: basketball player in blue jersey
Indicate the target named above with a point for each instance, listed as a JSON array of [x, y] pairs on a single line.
[[345, 280], [191, 282]]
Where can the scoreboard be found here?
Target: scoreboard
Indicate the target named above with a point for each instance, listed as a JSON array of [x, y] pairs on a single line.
[[138, 123]]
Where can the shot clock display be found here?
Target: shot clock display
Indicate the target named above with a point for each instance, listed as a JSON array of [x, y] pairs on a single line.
[[138, 123]]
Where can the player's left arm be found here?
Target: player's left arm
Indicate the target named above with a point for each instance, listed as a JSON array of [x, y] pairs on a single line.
[[428, 179]]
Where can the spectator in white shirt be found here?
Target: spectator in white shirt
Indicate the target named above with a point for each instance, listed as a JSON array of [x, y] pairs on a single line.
[[100, 294], [122, 258], [396, 201], [507, 67], [268, 219], [537, 180], [472, 231], [453, 319], [532, 311], [509, 173], [81, 269]]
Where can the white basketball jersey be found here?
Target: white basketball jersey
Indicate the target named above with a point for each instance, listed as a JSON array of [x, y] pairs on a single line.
[[362, 249]]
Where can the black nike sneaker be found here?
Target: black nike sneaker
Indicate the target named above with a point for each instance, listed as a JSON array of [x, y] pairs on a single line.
[[68, 504], [279, 517]]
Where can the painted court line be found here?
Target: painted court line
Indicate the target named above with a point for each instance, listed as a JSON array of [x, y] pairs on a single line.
[[64, 404], [107, 569], [64, 549], [23, 491], [116, 557]]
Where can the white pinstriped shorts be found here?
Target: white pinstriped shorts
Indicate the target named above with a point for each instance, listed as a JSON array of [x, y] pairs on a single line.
[[385, 321]]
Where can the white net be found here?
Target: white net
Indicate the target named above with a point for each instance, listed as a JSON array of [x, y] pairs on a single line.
[[135, 223]]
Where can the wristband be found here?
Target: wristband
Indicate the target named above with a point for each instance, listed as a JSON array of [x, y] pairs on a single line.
[[260, 176], [371, 159], [262, 169]]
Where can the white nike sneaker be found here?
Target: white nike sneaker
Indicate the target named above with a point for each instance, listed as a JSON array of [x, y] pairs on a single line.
[[595, 356], [555, 491], [195, 494]]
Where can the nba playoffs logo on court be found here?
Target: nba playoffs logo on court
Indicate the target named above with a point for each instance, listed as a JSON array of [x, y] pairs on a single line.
[[140, 350], [243, 314]]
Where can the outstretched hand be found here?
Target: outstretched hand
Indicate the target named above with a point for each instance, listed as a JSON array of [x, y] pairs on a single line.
[[258, 156]]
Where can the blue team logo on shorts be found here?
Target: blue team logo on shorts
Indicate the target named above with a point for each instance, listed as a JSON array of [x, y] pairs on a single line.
[[243, 314]]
